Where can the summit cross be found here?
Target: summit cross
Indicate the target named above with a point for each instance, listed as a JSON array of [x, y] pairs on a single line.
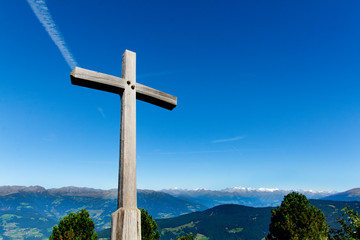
[[126, 221]]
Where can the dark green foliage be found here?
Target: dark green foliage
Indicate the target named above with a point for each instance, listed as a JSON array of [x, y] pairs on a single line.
[[296, 219], [350, 226], [333, 210], [148, 227], [77, 226], [189, 236]]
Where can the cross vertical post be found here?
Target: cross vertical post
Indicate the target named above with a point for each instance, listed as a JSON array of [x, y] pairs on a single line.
[[126, 221], [127, 160]]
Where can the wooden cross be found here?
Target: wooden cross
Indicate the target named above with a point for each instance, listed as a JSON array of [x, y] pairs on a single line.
[[125, 222]]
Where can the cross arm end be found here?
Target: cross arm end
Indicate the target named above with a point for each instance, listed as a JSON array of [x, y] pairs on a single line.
[[91, 79], [155, 97]]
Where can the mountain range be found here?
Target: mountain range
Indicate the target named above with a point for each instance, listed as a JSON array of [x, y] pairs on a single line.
[[30, 212], [350, 195], [262, 197]]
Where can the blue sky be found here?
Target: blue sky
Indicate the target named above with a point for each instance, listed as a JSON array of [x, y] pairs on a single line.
[[268, 93]]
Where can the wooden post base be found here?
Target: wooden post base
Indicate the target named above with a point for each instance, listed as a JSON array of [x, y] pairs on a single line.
[[126, 224]]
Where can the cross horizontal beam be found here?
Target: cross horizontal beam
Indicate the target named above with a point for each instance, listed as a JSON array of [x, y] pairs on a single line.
[[100, 81]]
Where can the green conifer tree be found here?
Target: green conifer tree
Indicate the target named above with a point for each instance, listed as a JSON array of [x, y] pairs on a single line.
[[296, 219], [148, 227], [77, 226]]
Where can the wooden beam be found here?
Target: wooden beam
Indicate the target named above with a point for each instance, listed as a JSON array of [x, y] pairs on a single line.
[[100, 81], [153, 96]]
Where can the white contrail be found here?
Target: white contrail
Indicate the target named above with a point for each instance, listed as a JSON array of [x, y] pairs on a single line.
[[228, 139], [42, 13]]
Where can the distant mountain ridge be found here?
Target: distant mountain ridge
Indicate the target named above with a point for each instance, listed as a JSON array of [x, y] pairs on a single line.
[[350, 195], [149, 199], [6, 190], [261, 197], [66, 191]]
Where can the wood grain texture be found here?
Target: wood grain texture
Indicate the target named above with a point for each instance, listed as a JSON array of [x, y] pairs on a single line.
[[101, 81], [127, 172], [156, 97], [126, 224]]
